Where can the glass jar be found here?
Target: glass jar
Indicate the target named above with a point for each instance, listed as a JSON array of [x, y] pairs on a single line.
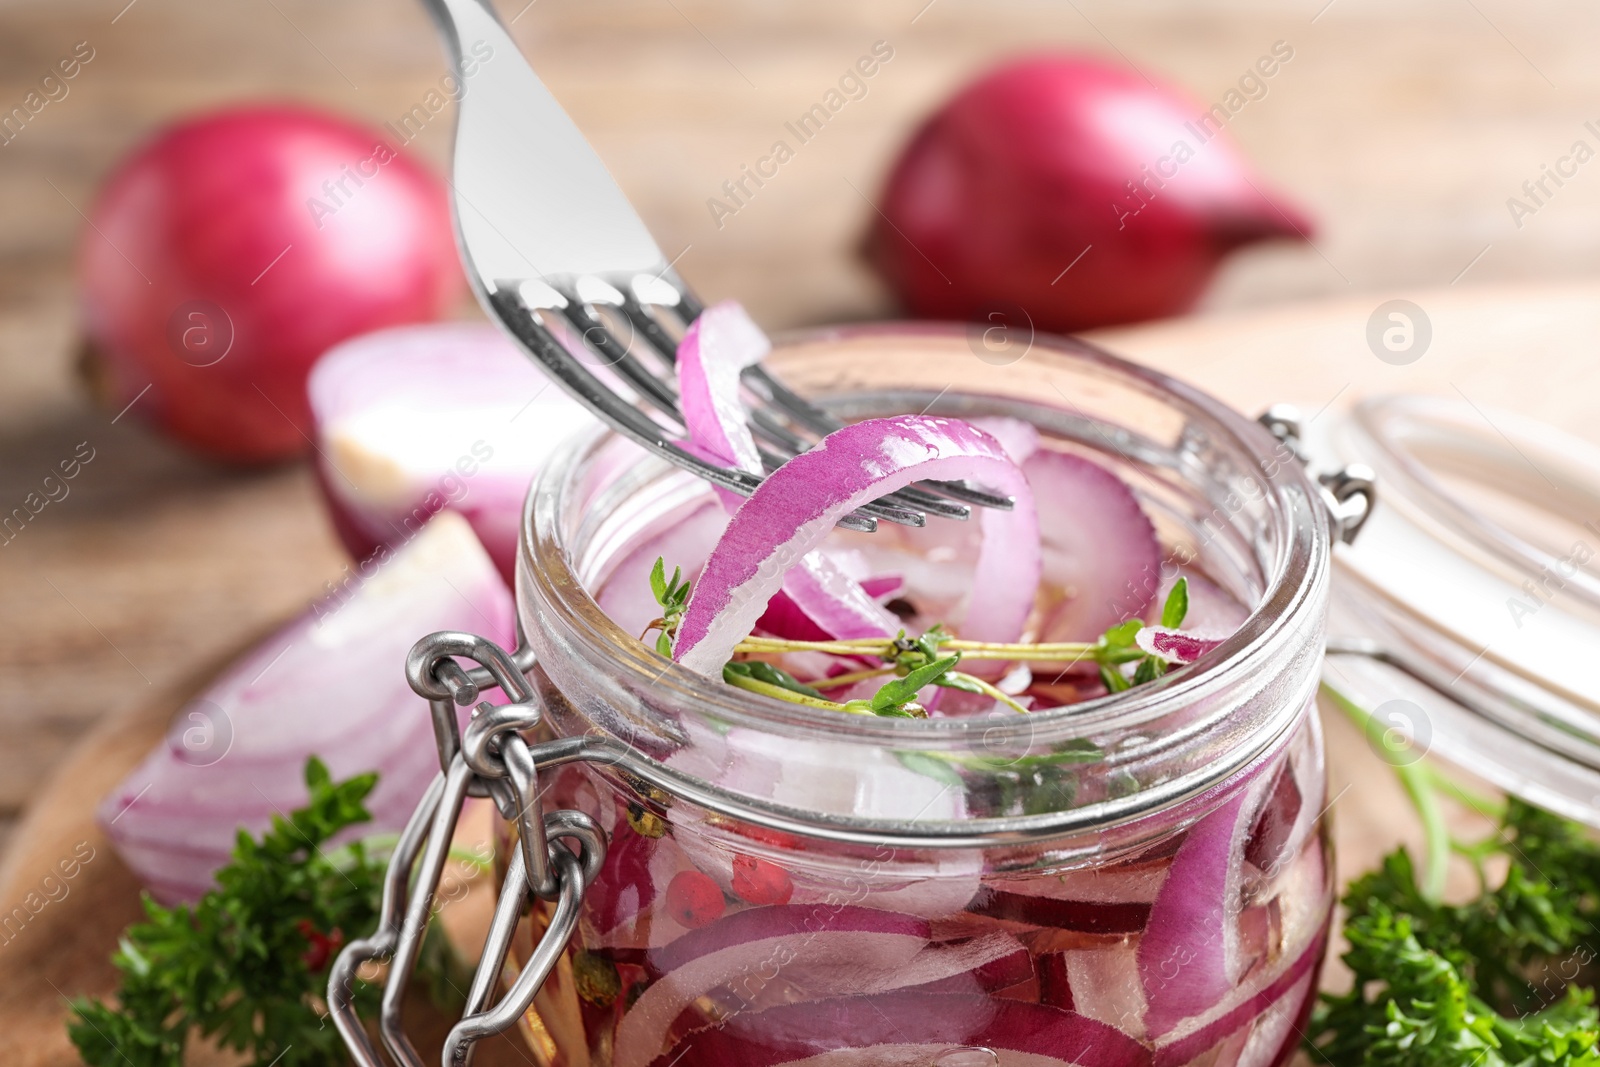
[[1141, 878]]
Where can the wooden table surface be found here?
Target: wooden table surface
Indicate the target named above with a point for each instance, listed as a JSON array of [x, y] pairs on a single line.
[[1405, 131]]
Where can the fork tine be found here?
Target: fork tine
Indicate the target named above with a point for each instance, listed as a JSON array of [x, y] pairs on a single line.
[[653, 332], [598, 336]]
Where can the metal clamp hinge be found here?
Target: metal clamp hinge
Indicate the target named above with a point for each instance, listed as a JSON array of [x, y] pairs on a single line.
[[490, 757], [1349, 493]]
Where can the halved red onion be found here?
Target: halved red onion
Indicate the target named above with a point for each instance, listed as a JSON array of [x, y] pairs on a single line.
[[417, 419], [715, 351], [329, 684], [906, 1028], [1177, 647], [1189, 958], [796, 508], [1099, 547]]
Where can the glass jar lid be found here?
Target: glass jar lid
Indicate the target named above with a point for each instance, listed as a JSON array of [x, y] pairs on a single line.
[[1467, 615]]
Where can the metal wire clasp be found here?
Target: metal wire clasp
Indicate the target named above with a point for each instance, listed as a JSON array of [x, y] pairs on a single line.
[[491, 758], [1349, 493]]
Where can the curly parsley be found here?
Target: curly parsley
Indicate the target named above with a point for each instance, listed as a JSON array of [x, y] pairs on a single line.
[[1496, 982], [246, 965]]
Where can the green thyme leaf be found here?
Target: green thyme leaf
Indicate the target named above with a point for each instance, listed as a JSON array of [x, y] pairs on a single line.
[[1177, 605], [658, 581], [1115, 681], [898, 692], [1122, 634], [763, 671], [1150, 668], [932, 766]]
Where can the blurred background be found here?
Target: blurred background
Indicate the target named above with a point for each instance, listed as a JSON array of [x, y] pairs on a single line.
[[1403, 129]]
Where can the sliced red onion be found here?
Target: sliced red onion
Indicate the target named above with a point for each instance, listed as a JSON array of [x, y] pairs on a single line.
[[1242, 1005], [329, 684], [1099, 546], [906, 1028], [416, 419], [796, 508], [831, 961], [620, 903], [1189, 958], [1268, 843], [683, 538], [1020, 439], [714, 353], [1177, 647], [1083, 916], [717, 348], [784, 921], [1105, 986], [1000, 971], [1277, 1030], [1132, 883], [1112, 901], [1055, 983]]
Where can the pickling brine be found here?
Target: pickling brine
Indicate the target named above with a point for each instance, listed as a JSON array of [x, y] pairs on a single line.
[[710, 943]]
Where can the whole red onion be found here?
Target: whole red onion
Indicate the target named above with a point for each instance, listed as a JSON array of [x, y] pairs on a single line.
[[227, 254], [1052, 158]]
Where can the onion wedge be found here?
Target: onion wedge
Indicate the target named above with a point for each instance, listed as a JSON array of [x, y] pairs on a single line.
[[329, 684]]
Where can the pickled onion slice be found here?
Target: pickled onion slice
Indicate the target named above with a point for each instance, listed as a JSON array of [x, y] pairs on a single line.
[[758, 956], [712, 356], [1189, 957], [797, 506], [1083, 916], [785, 920], [685, 539], [1176, 646], [1098, 546], [905, 1029], [718, 346], [1242, 1006]]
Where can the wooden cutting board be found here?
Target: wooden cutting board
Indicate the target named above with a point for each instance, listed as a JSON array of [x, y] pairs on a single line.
[[1510, 347]]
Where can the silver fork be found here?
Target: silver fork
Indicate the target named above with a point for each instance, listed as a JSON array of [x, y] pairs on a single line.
[[560, 258]]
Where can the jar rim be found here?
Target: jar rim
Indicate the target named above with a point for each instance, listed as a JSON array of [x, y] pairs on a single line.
[[1298, 578]]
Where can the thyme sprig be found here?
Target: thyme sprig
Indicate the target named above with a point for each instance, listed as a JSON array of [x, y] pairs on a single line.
[[672, 596], [912, 663]]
